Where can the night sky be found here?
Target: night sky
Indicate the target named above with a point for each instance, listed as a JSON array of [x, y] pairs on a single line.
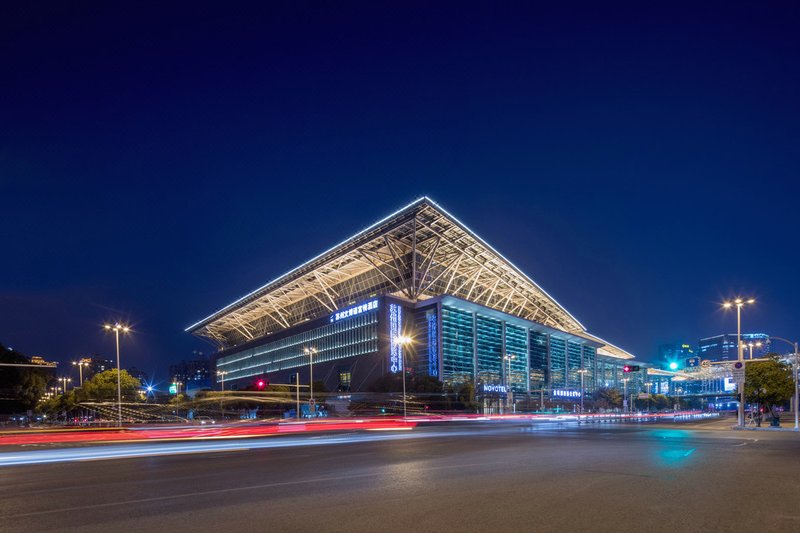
[[158, 161]]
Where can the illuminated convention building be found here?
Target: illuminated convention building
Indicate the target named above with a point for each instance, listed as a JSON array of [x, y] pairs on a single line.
[[416, 290]]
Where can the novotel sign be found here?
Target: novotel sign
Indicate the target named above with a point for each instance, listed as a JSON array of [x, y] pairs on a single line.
[[488, 387], [355, 310], [564, 393]]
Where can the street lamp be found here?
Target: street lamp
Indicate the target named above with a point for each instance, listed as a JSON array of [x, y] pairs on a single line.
[[80, 364], [222, 374], [65, 381], [625, 395], [116, 328], [311, 352], [750, 345], [508, 359], [648, 387], [794, 344], [582, 372], [403, 340], [739, 303]]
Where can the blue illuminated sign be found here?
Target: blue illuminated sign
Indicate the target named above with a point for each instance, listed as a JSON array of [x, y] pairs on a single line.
[[564, 393], [433, 344], [355, 310], [395, 331]]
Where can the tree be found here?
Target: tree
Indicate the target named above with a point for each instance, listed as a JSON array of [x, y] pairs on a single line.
[[103, 386], [607, 398], [20, 387], [661, 401], [768, 383]]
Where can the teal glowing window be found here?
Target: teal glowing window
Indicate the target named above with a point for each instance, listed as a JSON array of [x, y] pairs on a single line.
[[574, 364], [558, 363], [489, 338], [538, 356], [517, 349], [457, 346]]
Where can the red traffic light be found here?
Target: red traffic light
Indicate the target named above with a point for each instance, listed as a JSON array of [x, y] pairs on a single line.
[[630, 368], [260, 384]]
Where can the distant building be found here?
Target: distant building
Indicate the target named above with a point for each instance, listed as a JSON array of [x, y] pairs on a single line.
[[38, 360], [138, 374], [676, 352], [96, 364], [723, 347], [191, 370], [415, 292]]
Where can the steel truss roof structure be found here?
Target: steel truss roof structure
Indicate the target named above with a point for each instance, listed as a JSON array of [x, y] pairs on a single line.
[[418, 252]]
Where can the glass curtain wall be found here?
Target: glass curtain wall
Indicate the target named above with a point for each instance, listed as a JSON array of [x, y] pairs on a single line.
[[357, 335], [517, 348], [457, 346], [490, 349], [574, 364], [558, 363], [538, 355]]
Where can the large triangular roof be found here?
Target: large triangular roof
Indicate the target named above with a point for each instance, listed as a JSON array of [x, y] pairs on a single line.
[[417, 252]]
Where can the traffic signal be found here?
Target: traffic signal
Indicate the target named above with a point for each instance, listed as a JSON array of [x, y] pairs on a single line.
[[261, 383], [630, 368]]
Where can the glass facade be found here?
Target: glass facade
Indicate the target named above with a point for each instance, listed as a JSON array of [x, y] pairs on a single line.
[[426, 345], [489, 339], [589, 357], [516, 349], [457, 346], [538, 357], [353, 336], [558, 363], [574, 360], [537, 360]]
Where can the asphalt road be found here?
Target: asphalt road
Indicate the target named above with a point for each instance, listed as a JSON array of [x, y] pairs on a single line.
[[488, 477]]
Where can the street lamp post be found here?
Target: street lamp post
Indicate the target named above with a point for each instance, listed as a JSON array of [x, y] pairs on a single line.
[[65, 380], [739, 303], [794, 366], [508, 359], [116, 328], [625, 405], [80, 365], [402, 340], [751, 345], [311, 352], [222, 373], [582, 372], [648, 386]]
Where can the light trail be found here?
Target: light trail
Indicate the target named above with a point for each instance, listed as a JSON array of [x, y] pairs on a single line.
[[128, 451]]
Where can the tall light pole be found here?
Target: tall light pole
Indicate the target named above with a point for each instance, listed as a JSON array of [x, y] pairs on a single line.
[[310, 352], [750, 345], [739, 303], [80, 364], [648, 385], [65, 380], [116, 328], [794, 366], [625, 395], [508, 359], [222, 374], [402, 340], [582, 372]]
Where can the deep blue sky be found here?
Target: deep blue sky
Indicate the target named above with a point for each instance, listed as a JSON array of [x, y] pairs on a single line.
[[158, 161]]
